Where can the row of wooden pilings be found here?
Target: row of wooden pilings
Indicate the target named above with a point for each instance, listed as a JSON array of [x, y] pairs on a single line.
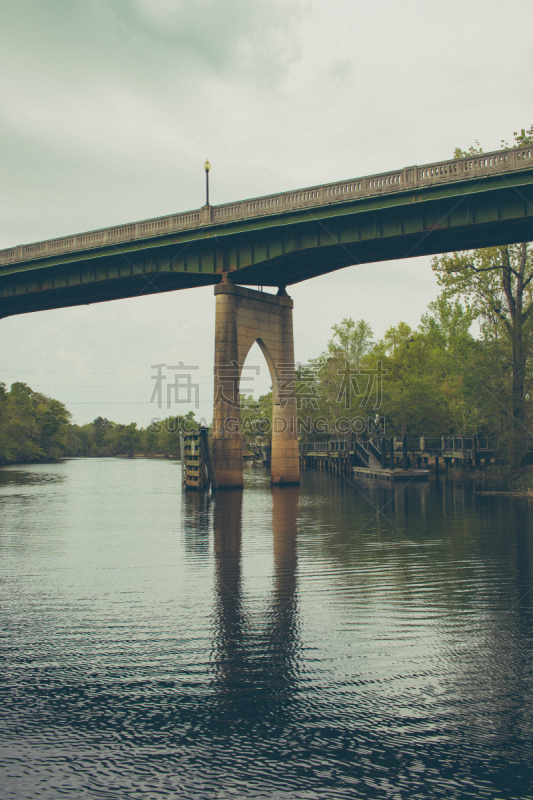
[[342, 463], [197, 470]]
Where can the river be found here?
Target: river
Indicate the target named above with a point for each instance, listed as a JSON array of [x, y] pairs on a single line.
[[340, 640]]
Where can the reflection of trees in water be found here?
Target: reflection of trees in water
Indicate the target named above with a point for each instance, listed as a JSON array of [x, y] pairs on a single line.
[[521, 668], [440, 535], [21, 477], [254, 669], [523, 568], [456, 561], [490, 670]]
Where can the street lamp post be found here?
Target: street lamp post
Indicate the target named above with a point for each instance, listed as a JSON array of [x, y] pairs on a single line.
[[207, 167]]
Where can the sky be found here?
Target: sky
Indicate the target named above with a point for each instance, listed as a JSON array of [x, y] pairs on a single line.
[[109, 109]]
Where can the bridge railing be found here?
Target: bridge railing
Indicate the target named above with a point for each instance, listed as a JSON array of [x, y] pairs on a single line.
[[482, 165], [462, 443], [328, 446], [430, 444], [422, 444]]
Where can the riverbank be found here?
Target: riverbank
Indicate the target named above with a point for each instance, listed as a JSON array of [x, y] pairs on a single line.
[[159, 456], [528, 494], [496, 481]]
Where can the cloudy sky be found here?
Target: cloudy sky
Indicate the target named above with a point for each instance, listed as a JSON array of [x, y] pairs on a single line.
[[110, 107]]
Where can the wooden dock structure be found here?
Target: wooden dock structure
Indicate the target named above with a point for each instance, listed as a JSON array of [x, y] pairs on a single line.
[[196, 463], [392, 474], [398, 457]]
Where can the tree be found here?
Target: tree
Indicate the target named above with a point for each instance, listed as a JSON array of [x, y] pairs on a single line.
[[256, 418], [53, 421], [7, 444], [428, 385], [126, 439], [33, 427], [101, 430], [23, 423], [352, 341], [496, 283], [336, 385]]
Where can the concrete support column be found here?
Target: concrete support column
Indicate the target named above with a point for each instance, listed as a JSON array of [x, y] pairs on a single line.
[[285, 466], [227, 443], [243, 317]]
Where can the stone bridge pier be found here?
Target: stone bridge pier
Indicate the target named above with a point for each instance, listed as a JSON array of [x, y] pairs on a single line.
[[243, 317]]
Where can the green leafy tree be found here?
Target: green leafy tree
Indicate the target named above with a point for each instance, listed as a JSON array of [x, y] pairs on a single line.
[[341, 374], [33, 427], [102, 434], [496, 283], [53, 421], [23, 423], [256, 419], [7, 443], [148, 440], [352, 341], [126, 439], [413, 387]]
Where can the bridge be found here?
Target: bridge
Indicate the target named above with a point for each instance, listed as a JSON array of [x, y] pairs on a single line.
[[276, 240]]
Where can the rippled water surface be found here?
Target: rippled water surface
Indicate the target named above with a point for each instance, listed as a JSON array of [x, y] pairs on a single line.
[[332, 641]]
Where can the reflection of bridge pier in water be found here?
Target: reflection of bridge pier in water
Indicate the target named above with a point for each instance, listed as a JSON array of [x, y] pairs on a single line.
[[282, 636], [227, 530], [254, 666]]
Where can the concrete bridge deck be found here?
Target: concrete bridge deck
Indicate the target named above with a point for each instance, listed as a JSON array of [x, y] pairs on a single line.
[[284, 238]]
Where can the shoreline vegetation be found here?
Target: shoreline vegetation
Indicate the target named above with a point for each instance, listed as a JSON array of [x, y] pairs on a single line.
[[36, 428]]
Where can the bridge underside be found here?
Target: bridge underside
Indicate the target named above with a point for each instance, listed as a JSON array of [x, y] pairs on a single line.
[[279, 250]]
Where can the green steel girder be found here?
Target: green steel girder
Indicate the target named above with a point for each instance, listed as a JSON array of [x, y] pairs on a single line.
[[281, 249]]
